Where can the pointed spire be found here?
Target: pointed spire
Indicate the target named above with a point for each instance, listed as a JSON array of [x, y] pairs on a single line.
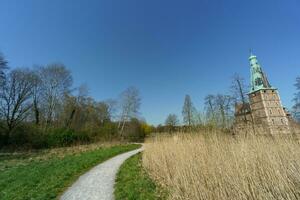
[[258, 78], [250, 52]]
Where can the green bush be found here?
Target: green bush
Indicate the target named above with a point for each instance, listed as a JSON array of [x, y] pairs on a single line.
[[2, 134], [27, 135], [134, 131], [32, 136], [20, 136], [66, 137], [39, 140], [107, 131], [2, 139]]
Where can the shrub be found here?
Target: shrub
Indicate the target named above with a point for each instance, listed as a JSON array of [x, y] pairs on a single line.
[[2, 139], [134, 131], [65, 137], [20, 136], [109, 131], [39, 140], [25, 135]]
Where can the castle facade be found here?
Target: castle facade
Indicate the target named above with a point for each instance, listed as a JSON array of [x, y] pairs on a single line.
[[264, 113]]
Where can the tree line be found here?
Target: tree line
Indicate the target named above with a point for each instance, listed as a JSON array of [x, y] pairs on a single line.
[[219, 108], [40, 107]]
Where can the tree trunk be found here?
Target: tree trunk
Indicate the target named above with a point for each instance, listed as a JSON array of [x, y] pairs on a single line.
[[36, 112], [243, 98], [69, 122], [122, 128]]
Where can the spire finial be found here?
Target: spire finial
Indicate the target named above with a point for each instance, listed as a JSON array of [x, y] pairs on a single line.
[[250, 52]]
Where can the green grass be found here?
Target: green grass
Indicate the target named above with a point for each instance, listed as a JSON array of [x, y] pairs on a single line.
[[43, 179], [133, 182]]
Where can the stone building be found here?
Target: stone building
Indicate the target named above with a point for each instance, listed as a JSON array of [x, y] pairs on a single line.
[[264, 113]]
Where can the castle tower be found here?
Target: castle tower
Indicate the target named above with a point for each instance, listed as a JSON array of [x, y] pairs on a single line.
[[267, 111]]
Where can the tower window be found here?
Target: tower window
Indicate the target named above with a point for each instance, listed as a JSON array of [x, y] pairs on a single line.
[[270, 112], [258, 81], [273, 121]]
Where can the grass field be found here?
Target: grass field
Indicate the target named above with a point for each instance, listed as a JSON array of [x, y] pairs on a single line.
[[205, 166], [133, 183], [44, 175]]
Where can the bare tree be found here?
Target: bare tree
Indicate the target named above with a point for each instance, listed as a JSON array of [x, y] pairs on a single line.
[[36, 93], [130, 102], [83, 112], [296, 107], [210, 109], [3, 67], [197, 118], [172, 120], [218, 109], [16, 98], [239, 89], [80, 112], [112, 108], [188, 111], [57, 81], [239, 93], [223, 105], [75, 106], [103, 113]]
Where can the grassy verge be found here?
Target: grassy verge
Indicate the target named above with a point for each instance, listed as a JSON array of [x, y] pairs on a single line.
[[133, 183], [43, 178]]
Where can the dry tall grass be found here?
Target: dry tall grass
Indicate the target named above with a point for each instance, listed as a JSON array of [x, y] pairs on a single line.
[[217, 166]]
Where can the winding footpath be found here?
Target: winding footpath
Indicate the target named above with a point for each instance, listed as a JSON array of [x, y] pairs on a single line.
[[98, 183]]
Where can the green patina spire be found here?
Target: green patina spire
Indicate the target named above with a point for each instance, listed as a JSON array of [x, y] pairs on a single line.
[[259, 80]]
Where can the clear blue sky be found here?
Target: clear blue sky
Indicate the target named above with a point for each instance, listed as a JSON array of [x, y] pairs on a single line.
[[166, 48]]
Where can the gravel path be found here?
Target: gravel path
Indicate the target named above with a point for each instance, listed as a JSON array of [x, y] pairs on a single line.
[[98, 183]]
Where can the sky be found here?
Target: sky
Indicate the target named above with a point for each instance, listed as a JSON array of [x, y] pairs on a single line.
[[165, 48]]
